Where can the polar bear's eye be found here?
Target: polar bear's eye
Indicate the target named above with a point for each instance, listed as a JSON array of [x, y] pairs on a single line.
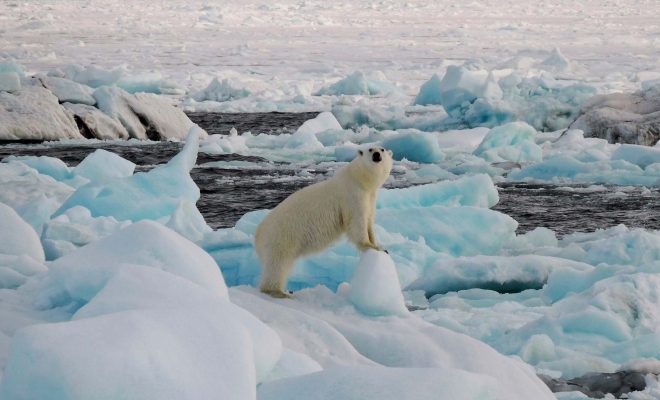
[[370, 150], [382, 149]]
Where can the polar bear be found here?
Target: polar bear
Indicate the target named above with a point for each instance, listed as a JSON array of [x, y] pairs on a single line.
[[310, 219]]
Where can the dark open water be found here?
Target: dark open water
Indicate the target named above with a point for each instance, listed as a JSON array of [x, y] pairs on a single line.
[[228, 193]]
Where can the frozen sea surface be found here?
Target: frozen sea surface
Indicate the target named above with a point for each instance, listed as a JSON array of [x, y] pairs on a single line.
[[228, 190]]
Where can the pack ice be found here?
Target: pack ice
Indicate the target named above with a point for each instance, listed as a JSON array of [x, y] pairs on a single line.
[[564, 307], [94, 322]]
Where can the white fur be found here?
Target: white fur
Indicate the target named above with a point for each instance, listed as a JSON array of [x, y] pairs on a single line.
[[312, 218]]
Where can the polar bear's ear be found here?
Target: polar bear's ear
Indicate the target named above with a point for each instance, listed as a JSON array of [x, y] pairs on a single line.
[[360, 151]]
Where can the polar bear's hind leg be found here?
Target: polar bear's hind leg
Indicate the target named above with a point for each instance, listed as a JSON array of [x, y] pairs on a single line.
[[274, 276]]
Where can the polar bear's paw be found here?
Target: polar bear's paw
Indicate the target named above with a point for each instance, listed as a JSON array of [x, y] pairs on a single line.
[[278, 294]]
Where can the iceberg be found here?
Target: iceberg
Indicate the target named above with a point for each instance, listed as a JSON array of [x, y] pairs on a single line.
[[413, 145], [498, 273], [68, 91], [104, 165], [18, 111], [94, 123], [145, 195], [476, 190], [475, 97], [510, 142], [220, 91], [10, 82], [144, 115], [358, 83], [622, 117], [17, 237]]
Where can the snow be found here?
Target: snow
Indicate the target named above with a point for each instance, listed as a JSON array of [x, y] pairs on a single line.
[[374, 288], [71, 365], [392, 342], [376, 383]]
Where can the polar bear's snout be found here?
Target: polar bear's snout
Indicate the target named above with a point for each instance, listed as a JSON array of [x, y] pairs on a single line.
[[376, 156]]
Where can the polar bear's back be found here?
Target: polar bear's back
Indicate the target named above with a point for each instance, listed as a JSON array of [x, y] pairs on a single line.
[[305, 222]]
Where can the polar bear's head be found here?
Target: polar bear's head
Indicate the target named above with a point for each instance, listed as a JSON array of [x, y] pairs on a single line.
[[377, 162]]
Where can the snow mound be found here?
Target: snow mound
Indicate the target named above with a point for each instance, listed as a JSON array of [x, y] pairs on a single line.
[[106, 358], [374, 288], [18, 111], [81, 274], [358, 83]]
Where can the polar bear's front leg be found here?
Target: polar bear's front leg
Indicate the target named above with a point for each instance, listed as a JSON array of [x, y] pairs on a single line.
[[361, 234]]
